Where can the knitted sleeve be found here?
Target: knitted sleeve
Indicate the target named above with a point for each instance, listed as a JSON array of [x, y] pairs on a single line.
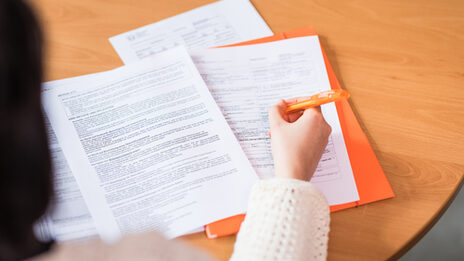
[[286, 220]]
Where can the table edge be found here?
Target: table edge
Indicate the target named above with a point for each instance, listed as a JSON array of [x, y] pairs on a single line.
[[418, 236]]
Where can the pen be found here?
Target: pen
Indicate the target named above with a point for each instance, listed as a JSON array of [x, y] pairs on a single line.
[[317, 100]]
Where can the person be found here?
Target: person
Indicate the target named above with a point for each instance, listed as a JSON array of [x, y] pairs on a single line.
[[287, 218], [25, 168]]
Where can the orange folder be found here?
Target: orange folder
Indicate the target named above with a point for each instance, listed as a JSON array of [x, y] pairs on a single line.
[[370, 179]]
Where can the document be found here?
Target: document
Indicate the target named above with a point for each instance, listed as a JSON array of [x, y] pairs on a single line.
[[220, 23], [246, 81], [69, 217], [150, 149]]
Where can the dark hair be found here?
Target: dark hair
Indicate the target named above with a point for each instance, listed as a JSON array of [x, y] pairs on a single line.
[[25, 168]]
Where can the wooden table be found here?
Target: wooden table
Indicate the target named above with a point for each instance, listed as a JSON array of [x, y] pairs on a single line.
[[403, 62]]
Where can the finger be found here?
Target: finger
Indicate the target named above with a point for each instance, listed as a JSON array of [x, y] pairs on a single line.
[[318, 108], [294, 116], [312, 114], [277, 114]]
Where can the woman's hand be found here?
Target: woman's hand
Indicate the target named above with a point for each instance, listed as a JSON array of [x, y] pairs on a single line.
[[298, 140]]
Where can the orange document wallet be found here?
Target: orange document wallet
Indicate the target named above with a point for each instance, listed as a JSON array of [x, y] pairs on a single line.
[[371, 182]]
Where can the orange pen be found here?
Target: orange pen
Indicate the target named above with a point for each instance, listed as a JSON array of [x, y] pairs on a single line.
[[317, 100]]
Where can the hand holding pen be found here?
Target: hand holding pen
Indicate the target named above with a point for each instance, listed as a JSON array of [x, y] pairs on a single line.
[[300, 134]]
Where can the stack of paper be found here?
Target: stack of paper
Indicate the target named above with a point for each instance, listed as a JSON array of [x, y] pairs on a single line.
[[175, 139], [219, 23]]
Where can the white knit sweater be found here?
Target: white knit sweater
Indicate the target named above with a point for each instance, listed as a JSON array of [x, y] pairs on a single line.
[[286, 220]]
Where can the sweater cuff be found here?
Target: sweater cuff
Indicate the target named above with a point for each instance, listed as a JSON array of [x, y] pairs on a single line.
[[280, 184]]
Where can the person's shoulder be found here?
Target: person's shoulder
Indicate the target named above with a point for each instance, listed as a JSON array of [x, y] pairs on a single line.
[[145, 246]]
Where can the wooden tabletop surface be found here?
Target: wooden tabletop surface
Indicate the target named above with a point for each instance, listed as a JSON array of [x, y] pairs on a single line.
[[402, 61]]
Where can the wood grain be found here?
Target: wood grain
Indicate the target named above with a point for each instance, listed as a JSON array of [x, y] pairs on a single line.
[[401, 60]]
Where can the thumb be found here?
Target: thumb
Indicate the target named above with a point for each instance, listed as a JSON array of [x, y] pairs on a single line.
[[309, 115]]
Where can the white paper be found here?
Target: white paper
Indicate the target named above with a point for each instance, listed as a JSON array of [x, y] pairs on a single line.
[[150, 148], [247, 80], [69, 217], [220, 23]]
